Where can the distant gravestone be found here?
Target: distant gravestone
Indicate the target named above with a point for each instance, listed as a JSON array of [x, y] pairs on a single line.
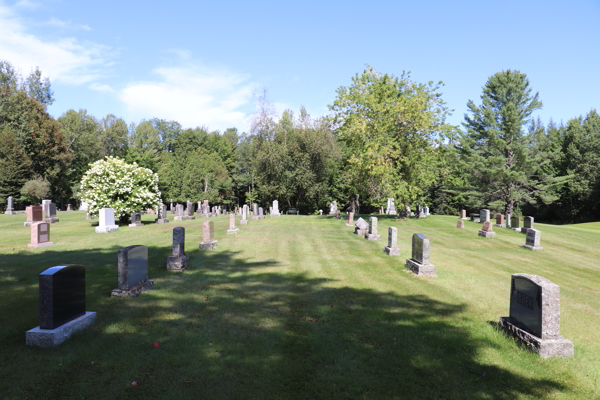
[[372, 234], [179, 212], [484, 215], [515, 223], [463, 214], [40, 235], [500, 220], [10, 207], [107, 221], [338, 215], [62, 306], [532, 242], [507, 221], [132, 272], [362, 227], [392, 249], [487, 231], [200, 209], [320, 212], [527, 224], [350, 219], [49, 212], [261, 214], [255, 216], [391, 207], [535, 316], [474, 217], [209, 242], [422, 213], [275, 212], [332, 208], [426, 210], [419, 263], [69, 207], [179, 260], [460, 224], [244, 220], [232, 228], [163, 218], [136, 220], [189, 212], [34, 214]]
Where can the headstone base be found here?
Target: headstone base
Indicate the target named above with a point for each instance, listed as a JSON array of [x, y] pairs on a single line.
[[178, 218], [516, 229], [350, 225], [209, 246], [162, 220], [136, 224], [177, 263], [392, 251], [533, 247], [370, 236], [232, 231], [420, 269], [361, 232], [276, 215], [107, 228], [487, 234], [500, 225], [392, 213], [546, 348], [37, 337], [244, 222], [10, 212], [466, 219], [134, 291], [38, 245], [187, 217], [52, 220], [255, 218]]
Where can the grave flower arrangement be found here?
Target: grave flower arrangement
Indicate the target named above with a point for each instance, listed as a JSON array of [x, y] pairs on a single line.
[[126, 188]]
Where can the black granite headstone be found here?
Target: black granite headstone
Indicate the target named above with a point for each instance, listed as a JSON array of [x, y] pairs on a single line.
[[133, 266], [62, 295], [525, 304]]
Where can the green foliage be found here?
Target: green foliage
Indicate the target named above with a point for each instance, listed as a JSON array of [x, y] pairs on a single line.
[[35, 190], [15, 165], [126, 188], [39, 89], [113, 136]]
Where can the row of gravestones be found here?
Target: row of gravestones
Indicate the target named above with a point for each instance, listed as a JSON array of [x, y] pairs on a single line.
[[534, 314], [51, 213], [390, 209]]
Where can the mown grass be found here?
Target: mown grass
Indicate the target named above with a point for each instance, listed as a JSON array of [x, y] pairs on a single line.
[[299, 307]]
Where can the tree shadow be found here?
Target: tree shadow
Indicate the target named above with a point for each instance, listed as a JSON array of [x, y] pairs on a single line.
[[230, 328]]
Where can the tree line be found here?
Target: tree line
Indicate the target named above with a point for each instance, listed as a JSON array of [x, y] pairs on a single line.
[[385, 136]]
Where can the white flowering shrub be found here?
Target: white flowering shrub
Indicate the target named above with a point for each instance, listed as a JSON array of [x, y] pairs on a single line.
[[126, 188]]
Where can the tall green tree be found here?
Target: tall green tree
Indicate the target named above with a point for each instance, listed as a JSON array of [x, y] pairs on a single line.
[[38, 88], [113, 136], [15, 164]]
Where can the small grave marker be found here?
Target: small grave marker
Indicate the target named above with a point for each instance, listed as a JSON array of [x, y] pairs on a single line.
[[179, 260], [392, 249], [419, 263], [372, 234], [487, 231], [232, 228], [209, 242]]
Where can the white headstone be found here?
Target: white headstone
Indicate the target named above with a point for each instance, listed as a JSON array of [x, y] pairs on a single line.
[[107, 221]]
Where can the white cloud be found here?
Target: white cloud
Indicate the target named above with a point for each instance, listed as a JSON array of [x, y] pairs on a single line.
[[101, 87], [26, 4], [66, 59], [181, 53], [193, 96], [65, 24]]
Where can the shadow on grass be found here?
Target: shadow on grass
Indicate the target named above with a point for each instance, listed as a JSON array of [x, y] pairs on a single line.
[[229, 328]]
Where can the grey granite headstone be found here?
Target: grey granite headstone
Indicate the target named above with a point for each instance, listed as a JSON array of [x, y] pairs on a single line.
[[460, 224], [136, 220], [372, 234], [532, 242], [527, 224], [49, 211], [179, 212], [391, 207], [419, 263], [515, 223], [507, 222], [162, 214], [189, 212], [261, 213], [535, 316], [209, 242], [484, 215], [232, 228], [107, 221], [9, 207], [392, 249], [350, 219], [179, 260], [244, 220], [132, 272], [426, 210], [362, 227], [255, 216], [332, 208]]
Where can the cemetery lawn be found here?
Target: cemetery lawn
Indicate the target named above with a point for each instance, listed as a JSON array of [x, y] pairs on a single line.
[[298, 307]]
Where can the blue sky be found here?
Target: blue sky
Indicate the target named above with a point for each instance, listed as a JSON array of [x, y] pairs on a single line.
[[200, 63]]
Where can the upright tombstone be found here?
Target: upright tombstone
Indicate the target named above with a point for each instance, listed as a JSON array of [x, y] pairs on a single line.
[[391, 207], [534, 316], [463, 214], [372, 234], [9, 207], [163, 218], [49, 212], [199, 210], [515, 223], [69, 207], [350, 219], [62, 306], [255, 212], [532, 242], [500, 220], [83, 206], [244, 220], [189, 214], [392, 249], [474, 217], [133, 272], [362, 227], [320, 212], [527, 224], [261, 214], [179, 212], [136, 220], [233, 230], [484, 215], [507, 221], [381, 210], [426, 210], [338, 215], [179, 260], [275, 211], [332, 208], [34, 214], [419, 263], [40, 235], [422, 213], [460, 224], [209, 242], [487, 231], [107, 221]]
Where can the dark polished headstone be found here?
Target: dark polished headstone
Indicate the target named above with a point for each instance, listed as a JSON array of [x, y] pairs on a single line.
[[133, 266], [525, 304], [62, 295]]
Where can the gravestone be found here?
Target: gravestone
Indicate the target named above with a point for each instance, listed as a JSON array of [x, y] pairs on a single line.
[[189, 214], [62, 306], [338, 215], [460, 224], [532, 242], [179, 212], [107, 221], [179, 260], [162, 214], [507, 221], [136, 220], [487, 231], [49, 212], [372, 234], [244, 220], [260, 213], [534, 316], [515, 223], [40, 235], [232, 229], [34, 214], [83, 206], [500, 220], [426, 210], [381, 210], [422, 213], [332, 208], [320, 212], [199, 210], [209, 242], [392, 249], [474, 217], [275, 212], [527, 224], [362, 227], [255, 216], [69, 207], [350, 219], [391, 207], [419, 263], [463, 214], [132, 272], [9, 207], [484, 215]]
